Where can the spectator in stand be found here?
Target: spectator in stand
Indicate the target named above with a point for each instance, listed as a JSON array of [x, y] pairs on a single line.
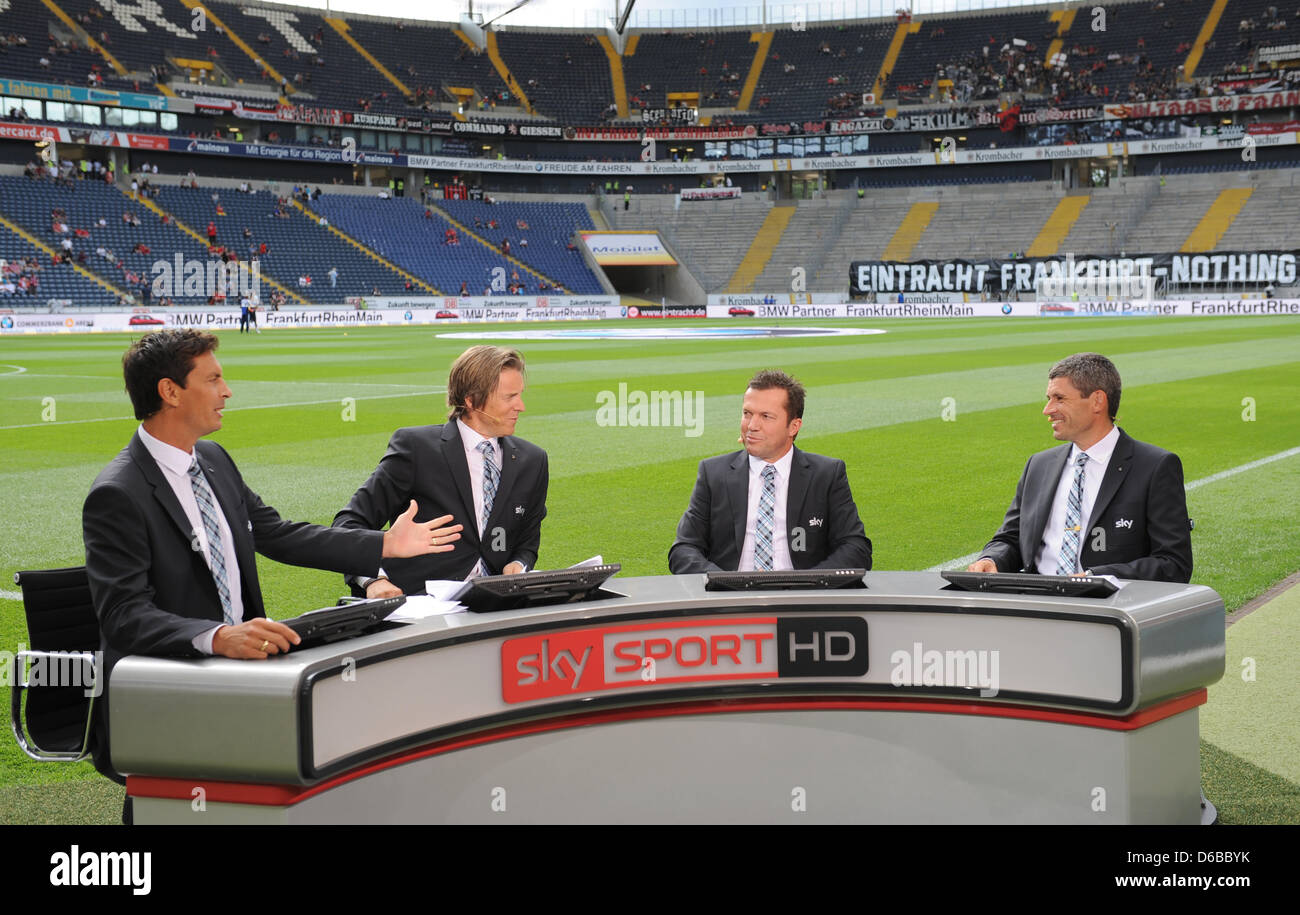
[[334, 277], [212, 233]]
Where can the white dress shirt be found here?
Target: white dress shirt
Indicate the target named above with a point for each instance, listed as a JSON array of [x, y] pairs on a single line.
[[474, 459], [175, 466], [780, 545], [1054, 533]]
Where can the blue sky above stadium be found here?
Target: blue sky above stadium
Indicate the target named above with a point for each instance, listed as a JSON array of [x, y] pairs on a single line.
[[650, 13]]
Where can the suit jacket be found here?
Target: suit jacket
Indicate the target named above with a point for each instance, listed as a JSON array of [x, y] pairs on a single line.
[[152, 591], [819, 509], [427, 464], [1138, 527]]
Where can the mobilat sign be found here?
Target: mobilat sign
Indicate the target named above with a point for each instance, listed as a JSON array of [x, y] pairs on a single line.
[[627, 249], [560, 664]]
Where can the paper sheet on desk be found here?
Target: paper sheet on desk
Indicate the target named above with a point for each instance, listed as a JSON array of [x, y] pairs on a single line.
[[422, 606], [444, 589]]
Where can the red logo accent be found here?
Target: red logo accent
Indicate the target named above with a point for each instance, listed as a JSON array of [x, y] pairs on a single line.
[[637, 655], [556, 664]]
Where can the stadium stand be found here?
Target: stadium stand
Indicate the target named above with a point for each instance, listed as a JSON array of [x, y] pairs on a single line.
[[710, 237], [120, 253], [155, 42], [37, 45], [800, 80], [415, 238], [712, 64], [931, 49], [548, 229], [563, 78], [1245, 26], [297, 246], [22, 259], [431, 60], [806, 76]]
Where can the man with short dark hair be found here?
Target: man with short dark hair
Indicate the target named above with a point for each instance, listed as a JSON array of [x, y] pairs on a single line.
[[473, 468], [770, 506], [1104, 503], [170, 528]]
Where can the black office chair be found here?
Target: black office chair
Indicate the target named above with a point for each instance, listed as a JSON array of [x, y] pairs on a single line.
[[59, 674]]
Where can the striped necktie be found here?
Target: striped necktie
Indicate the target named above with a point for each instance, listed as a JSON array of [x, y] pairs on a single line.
[[1067, 561], [491, 480], [216, 554], [763, 525]]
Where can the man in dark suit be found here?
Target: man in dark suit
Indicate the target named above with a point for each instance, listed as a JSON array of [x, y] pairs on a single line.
[[170, 528], [770, 506], [1104, 504], [472, 468]]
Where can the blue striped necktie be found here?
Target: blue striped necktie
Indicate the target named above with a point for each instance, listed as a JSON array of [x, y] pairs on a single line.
[[1067, 561], [216, 555], [763, 525], [491, 480]]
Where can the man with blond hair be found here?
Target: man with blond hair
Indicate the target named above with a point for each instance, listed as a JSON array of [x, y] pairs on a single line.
[[471, 467]]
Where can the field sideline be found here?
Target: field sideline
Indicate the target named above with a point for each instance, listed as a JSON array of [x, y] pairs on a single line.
[[935, 420]]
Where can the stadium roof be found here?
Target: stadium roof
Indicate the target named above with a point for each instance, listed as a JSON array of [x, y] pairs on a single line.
[[650, 14]]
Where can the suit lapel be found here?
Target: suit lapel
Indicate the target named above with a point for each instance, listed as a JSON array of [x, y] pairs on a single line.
[[800, 477], [1044, 490], [453, 452], [162, 490], [509, 474], [1116, 471], [738, 494]]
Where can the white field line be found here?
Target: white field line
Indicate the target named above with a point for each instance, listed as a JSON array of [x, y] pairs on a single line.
[[262, 406]]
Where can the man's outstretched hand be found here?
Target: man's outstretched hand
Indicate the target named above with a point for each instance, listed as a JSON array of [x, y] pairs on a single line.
[[407, 537]]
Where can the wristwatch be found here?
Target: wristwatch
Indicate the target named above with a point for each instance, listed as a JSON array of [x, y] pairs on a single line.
[[364, 582]]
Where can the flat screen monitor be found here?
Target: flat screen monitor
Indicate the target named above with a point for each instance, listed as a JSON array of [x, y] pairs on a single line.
[[1025, 583], [787, 580], [331, 624], [490, 593]]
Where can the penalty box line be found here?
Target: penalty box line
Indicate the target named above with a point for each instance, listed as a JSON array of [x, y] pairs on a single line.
[[262, 406]]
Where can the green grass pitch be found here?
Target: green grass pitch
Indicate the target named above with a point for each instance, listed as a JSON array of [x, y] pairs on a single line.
[[935, 420]]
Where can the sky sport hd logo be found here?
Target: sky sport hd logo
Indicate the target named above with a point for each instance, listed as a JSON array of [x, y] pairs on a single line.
[[579, 661]]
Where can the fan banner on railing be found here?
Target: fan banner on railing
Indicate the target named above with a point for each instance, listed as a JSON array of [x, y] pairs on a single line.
[[1090, 276]]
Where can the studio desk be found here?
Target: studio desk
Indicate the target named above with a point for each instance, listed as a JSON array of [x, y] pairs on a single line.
[[902, 702]]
